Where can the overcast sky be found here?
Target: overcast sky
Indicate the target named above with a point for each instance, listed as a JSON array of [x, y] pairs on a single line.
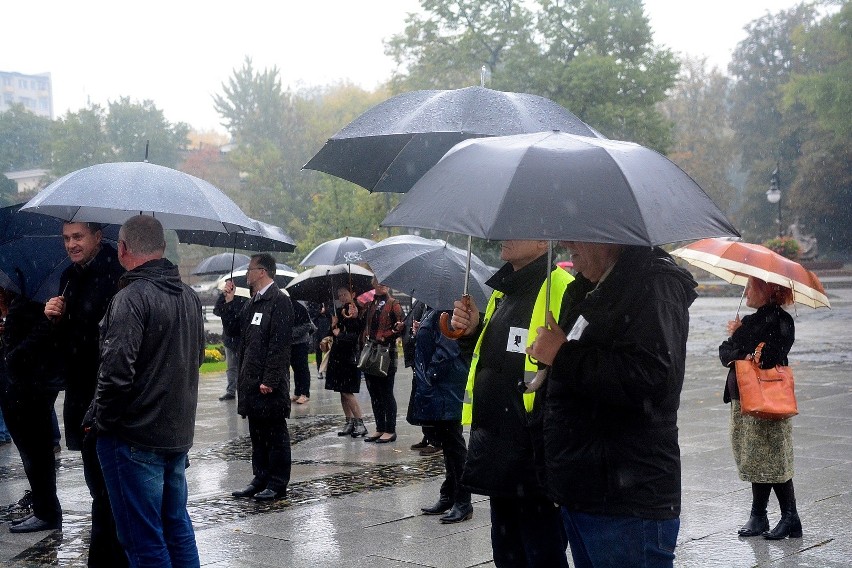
[[179, 52]]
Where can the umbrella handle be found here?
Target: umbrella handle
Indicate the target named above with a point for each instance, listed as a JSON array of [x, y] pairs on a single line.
[[444, 322]]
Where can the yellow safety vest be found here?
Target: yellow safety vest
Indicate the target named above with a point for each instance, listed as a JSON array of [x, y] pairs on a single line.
[[559, 280]]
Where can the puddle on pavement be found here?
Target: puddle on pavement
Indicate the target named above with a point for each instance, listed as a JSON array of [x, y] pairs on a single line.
[[68, 547]]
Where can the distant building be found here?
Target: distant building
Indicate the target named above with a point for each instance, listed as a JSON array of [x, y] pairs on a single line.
[[27, 180], [33, 91]]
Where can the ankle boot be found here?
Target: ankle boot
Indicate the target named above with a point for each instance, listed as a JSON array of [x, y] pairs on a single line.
[[350, 424], [358, 428], [755, 526], [789, 525]]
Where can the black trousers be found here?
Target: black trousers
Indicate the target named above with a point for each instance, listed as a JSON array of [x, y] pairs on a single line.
[[448, 434], [301, 369], [29, 418], [382, 400], [527, 532], [104, 548], [270, 453]]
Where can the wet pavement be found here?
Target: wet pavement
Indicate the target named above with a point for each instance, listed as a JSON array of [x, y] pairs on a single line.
[[352, 504]]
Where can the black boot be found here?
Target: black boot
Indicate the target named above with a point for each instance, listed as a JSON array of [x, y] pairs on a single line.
[[790, 524], [347, 430], [358, 428], [758, 522]]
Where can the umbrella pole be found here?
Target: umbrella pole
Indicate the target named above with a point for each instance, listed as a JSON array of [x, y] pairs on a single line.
[[547, 287], [741, 304], [444, 320], [467, 265]]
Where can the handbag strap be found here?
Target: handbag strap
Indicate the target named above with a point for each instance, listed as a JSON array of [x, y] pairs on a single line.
[[757, 352]]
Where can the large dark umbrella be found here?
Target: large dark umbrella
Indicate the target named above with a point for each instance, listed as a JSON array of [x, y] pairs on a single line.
[[220, 263], [389, 147], [318, 284], [430, 270], [345, 250], [114, 192], [263, 237], [32, 254], [557, 186]]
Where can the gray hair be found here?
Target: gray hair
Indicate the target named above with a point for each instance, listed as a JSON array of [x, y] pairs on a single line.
[[143, 235]]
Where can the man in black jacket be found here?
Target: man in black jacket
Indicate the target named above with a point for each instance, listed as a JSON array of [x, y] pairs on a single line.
[[152, 345], [264, 326], [86, 289], [610, 425], [232, 349]]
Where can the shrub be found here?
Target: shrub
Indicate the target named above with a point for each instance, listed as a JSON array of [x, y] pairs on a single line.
[[788, 247], [213, 355]]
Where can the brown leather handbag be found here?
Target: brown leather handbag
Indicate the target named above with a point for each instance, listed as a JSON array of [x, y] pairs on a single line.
[[766, 393]]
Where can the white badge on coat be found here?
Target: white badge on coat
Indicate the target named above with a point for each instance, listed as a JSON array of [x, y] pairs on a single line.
[[578, 328], [517, 342], [257, 317]]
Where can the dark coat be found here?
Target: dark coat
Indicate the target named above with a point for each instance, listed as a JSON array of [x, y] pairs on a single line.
[[303, 327], [228, 340], [505, 455], [265, 327], [408, 344], [152, 340], [27, 348], [440, 374], [769, 324], [610, 425]]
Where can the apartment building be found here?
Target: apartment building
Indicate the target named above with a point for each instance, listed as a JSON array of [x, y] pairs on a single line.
[[33, 91]]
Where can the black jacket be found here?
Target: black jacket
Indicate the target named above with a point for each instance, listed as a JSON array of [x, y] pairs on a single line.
[[769, 324], [303, 327], [27, 348], [408, 344], [265, 327], [87, 291], [152, 344], [610, 425], [505, 450], [228, 340]]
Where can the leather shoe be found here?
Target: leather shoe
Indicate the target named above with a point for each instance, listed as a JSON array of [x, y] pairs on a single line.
[[459, 513], [386, 440], [21, 520], [372, 438], [755, 526], [249, 491], [270, 495], [34, 524], [227, 396], [424, 443], [429, 450], [439, 508]]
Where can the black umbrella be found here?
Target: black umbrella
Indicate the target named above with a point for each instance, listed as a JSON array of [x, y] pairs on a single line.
[[345, 250], [32, 254], [283, 276], [319, 283], [430, 270], [220, 263], [557, 186], [114, 192], [389, 147], [264, 237]]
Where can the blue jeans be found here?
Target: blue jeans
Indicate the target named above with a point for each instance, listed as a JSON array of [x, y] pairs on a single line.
[[148, 494], [600, 541]]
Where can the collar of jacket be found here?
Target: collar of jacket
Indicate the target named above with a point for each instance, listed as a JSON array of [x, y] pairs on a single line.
[[508, 280]]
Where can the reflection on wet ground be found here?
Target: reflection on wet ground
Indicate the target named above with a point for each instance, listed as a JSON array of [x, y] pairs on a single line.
[[69, 546]]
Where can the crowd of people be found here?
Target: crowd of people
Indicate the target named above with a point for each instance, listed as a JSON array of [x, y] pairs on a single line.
[[586, 458]]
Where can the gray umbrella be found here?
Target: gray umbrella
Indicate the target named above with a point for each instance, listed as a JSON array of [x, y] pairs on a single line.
[[389, 147], [220, 263], [428, 269], [264, 237], [345, 250], [557, 186], [114, 192]]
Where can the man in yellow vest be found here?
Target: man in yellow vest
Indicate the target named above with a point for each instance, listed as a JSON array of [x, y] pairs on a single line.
[[505, 454]]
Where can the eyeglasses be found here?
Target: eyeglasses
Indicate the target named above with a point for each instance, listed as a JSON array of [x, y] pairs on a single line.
[[255, 268]]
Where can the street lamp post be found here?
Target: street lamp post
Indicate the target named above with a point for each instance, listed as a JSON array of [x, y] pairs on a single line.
[[773, 195]]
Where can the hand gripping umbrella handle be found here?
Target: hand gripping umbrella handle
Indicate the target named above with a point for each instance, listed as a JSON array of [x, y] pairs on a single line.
[[444, 322]]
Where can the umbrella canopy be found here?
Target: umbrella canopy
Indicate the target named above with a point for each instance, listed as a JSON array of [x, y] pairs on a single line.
[[114, 192], [319, 283], [283, 276], [32, 254], [389, 147], [264, 237], [344, 250], [430, 270], [557, 186], [220, 263], [734, 262]]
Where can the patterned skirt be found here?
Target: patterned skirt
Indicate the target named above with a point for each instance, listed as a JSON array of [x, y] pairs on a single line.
[[763, 449]]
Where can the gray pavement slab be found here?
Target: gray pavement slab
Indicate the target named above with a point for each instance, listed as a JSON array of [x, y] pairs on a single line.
[[353, 504]]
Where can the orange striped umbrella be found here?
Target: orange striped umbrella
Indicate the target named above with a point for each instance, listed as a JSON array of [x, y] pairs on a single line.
[[735, 261]]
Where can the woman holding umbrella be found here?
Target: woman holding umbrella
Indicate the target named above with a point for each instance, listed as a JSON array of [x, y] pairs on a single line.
[[763, 449], [342, 374]]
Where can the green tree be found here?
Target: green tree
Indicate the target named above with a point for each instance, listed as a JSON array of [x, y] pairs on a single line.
[[23, 140], [595, 57]]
